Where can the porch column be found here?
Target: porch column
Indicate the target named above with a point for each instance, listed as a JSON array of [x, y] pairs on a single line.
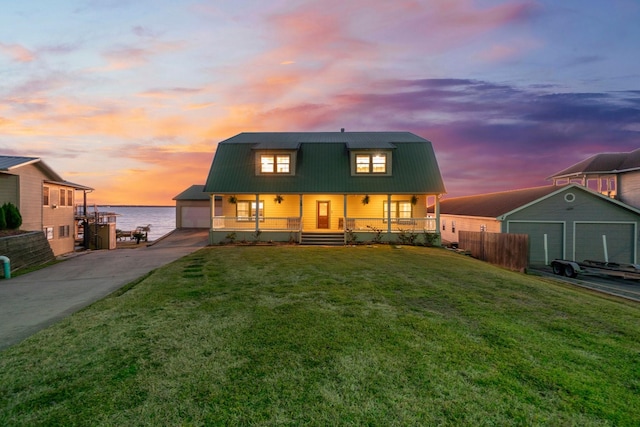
[[344, 218], [212, 213], [389, 214], [437, 212], [257, 212], [301, 213]]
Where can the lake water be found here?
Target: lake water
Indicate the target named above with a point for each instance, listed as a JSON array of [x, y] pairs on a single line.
[[162, 218]]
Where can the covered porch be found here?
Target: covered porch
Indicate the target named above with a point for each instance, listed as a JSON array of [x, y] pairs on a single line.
[[291, 217]]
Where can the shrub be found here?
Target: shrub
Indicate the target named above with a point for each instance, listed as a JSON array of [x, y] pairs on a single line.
[[407, 237], [430, 238], [3, 220], [12, 216]]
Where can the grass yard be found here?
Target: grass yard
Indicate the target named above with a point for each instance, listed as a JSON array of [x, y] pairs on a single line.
[[332, 336]]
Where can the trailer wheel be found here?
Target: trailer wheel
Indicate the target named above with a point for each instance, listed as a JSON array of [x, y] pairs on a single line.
[[569, 271], [558, 269]]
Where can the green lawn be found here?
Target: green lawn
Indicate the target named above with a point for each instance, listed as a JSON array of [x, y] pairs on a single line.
[[332, 336]]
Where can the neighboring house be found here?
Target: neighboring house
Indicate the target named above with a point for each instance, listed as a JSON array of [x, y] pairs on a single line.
[[568, 222], [193, 208], [616, 175], [46, 201], [303, 186]]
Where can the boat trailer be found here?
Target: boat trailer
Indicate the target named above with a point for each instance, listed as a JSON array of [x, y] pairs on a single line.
[[568, 268]]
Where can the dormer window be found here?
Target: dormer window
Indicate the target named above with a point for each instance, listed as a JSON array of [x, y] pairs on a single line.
[[371, 163], [275, 163]]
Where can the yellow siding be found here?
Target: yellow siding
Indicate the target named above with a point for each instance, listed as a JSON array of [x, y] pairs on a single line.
[[290, 207]]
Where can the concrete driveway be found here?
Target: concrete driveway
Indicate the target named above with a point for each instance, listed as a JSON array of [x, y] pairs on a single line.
[[36, 300]]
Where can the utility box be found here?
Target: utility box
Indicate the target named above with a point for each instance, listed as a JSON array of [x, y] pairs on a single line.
[[106, 236]]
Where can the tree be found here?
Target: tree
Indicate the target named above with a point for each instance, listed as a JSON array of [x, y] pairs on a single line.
[[12, 216]]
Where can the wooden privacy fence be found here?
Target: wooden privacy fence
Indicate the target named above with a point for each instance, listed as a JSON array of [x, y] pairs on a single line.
[[504, 249]]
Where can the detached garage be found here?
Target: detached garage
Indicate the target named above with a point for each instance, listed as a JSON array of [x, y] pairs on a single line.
[[568, 222], [193, 208]]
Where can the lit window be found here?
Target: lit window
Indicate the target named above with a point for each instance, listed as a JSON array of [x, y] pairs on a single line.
[[379, 162], [282, 164], [246, 210], [366, 163], [267, 164], [362, 163], [270, 163], [398, 210]]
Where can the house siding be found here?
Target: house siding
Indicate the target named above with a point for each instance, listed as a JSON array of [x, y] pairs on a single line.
[[466, 223], [31, 179], [9, 189], [629, 188], [57, 217]]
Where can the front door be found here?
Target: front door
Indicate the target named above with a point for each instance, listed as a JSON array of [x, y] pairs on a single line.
[[323, 214]]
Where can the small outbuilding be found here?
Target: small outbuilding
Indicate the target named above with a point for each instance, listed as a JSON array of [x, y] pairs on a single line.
[[193, 208], [567, 222]]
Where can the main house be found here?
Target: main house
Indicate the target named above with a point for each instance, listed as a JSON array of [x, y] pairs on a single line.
[[616, 175], [45, 200], [566, 222], [310, 186]]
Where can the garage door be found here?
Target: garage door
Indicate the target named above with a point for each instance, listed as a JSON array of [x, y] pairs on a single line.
[[195, 217], [537, 231], [619, 239]]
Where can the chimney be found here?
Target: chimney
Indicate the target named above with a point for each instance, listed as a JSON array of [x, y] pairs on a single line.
[[341, 129]]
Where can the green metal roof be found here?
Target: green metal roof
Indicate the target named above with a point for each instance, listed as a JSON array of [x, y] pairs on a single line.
[[195, 192], [322, 164]]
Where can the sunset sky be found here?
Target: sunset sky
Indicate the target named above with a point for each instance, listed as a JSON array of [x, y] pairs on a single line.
[[131, 96]]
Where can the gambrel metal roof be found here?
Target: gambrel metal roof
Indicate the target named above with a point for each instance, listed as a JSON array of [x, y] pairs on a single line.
[[323, 164]]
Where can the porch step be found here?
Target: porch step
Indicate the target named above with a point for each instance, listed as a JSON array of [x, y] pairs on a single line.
[[323, 239]]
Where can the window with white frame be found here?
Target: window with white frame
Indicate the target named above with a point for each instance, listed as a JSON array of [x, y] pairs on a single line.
[[275, 163], [246, 210], [48, 231], [400, 209], [371, 163]]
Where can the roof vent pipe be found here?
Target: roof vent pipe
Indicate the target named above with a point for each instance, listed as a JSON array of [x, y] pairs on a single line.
[[341, 129]]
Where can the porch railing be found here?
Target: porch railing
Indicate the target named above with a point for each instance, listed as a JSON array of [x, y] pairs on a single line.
[[249, 223], [415, 225]]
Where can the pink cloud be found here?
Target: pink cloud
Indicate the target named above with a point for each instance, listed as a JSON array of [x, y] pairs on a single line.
[[17, 52]]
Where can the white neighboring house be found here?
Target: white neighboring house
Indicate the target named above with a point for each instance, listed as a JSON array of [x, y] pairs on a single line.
[[45, 200]]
